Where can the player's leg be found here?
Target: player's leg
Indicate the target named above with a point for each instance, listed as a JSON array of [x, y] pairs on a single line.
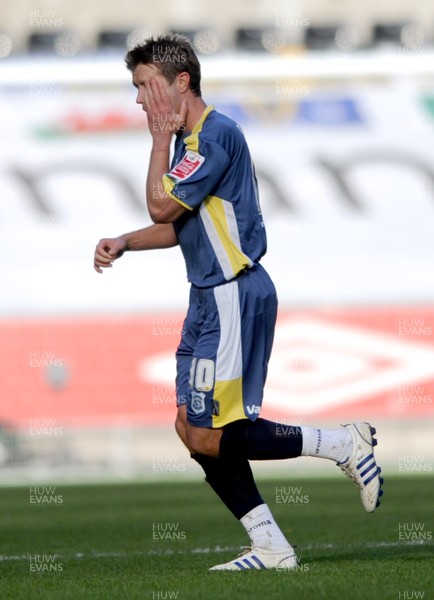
[[247, 310], [230, 478], [350, 446], [214, 397], [267, 440]]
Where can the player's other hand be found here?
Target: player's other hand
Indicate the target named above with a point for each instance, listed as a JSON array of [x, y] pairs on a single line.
[[107, 251]]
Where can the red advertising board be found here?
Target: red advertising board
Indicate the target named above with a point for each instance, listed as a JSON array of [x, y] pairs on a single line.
[[340, 364]]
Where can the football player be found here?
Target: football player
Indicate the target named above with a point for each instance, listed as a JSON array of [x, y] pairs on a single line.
[[205, 199]]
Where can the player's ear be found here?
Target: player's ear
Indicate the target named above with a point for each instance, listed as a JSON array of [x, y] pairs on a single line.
[[183, 82]]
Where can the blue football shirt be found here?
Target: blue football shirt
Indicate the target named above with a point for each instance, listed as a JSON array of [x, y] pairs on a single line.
[[212, 175]]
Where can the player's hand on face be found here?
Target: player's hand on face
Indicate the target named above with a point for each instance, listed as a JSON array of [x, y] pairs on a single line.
[[108, 250], [163, 119]]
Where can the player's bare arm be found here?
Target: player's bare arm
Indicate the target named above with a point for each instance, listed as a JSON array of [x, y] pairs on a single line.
[[150, 238], [164, 121]]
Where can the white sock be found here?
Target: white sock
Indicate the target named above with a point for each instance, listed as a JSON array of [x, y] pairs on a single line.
[[263, 530], [334, 444]]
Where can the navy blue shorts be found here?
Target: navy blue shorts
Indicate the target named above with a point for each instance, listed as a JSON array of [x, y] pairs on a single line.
[[225, 347]]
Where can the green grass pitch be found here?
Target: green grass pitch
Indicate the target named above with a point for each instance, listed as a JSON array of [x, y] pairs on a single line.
[[157, 541]]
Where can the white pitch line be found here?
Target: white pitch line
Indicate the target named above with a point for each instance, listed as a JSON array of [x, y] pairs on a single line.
[[215, 550]]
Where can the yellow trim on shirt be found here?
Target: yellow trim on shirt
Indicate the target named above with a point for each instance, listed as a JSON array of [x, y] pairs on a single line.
[[192, 141], [215, 209], [168, 186]]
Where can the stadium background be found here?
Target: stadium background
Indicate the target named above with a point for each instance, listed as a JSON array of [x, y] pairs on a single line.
[[337, 103]]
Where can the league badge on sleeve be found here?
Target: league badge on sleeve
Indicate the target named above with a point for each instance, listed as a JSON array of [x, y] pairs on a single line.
[[189, 164]]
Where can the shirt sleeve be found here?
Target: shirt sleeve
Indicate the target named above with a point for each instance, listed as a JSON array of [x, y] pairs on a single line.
[[192, 179]]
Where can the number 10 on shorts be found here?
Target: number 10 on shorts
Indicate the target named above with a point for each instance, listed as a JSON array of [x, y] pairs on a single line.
[[202, 374]]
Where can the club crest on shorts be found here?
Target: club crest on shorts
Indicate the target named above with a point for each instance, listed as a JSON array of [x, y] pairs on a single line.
[[198, 402]]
